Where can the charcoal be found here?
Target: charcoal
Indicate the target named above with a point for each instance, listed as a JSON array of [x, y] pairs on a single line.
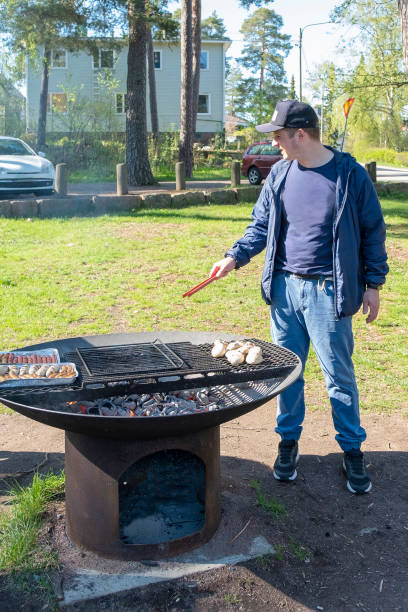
[[190, 401]]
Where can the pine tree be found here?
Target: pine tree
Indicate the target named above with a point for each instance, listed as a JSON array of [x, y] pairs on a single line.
[[136, 126], [263, 54], [186, 91]]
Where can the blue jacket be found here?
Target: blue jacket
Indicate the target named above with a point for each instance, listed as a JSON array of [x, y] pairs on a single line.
[[359, 255]]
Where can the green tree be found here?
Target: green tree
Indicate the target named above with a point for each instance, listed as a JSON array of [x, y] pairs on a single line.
[[263, 55], [292, 89], [136, 17], [213, 27], [233, 90], [327, 84], [12, 102], [42, 25], [381, 80]]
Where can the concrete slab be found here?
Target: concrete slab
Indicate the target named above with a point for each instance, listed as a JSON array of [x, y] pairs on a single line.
[[89, 584]]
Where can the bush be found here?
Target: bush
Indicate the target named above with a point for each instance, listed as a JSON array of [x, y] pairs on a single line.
[[364, 153], [402, 158]]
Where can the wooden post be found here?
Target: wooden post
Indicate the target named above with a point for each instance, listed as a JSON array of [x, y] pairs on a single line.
[[371, 168], [122, 179], [180, 176], [235, 174], [373, 171], [61, 179]]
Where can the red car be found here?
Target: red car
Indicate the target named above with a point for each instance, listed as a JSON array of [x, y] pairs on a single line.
[[258, 160]]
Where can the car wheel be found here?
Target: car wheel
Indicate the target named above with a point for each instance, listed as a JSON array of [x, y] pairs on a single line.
[[254, 176]]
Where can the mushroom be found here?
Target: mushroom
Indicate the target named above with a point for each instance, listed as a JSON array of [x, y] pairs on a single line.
[[219, 348], [235, 357], [254, 355]]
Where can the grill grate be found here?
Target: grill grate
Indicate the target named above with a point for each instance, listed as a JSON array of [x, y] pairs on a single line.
[[128, 359], [182, 360], [105, 370]]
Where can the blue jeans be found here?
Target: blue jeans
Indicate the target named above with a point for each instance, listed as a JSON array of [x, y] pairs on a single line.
[[302, 311]]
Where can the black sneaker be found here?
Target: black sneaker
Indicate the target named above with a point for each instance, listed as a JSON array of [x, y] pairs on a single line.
[[286, 461], [358, 480]]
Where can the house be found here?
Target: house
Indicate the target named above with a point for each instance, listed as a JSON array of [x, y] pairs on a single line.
[[12, 108], [100, 78]]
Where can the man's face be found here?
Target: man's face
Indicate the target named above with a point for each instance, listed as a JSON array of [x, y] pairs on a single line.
[[289, 146]]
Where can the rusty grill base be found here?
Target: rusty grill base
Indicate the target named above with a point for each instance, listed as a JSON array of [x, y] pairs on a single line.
[[94, 469]]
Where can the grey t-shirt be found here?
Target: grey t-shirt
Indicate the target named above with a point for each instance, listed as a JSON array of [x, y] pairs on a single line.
[[308, 206]]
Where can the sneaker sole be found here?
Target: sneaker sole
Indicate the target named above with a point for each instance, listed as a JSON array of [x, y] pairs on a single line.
[[356, 491], [286, 478], [359, 492]]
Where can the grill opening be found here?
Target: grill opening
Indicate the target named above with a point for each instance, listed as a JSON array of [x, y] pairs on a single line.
[[162, 498]]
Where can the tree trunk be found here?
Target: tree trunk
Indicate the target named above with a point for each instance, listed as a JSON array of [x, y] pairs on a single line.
[[186, 98], [196, 34], [403, 10], [152, 85], [42, 117], [137, 156]]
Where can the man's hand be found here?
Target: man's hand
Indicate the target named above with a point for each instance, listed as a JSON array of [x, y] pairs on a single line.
[[371, 302], [224, 267]]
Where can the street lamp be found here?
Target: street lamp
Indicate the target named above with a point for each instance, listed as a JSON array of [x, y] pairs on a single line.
[[300, 51]]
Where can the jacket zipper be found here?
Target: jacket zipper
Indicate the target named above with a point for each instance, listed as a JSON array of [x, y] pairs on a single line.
[[273, 230], [336, 222]]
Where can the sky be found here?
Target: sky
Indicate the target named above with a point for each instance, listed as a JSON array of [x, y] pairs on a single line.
[[319, 42]]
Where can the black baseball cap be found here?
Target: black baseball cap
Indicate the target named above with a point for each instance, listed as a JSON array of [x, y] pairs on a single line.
[[290, 113]]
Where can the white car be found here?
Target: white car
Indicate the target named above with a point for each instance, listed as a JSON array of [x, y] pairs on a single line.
[[22, 170]]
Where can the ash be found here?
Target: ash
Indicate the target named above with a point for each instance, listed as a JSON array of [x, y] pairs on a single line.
[[191, 401]]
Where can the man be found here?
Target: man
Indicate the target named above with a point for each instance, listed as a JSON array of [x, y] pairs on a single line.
[[320, 220]]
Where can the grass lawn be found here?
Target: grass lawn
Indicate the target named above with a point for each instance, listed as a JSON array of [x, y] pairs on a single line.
[[71, 277], [202, 173]]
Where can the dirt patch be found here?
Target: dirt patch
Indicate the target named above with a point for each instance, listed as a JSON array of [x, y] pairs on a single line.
[[335, 551], [397, 253]]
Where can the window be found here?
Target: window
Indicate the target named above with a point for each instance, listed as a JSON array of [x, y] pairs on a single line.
[[203, 104], [58, 104], [204, 60], [255, 150], [10, 146], [157, 59], [268, 149], [103, 58], [120, 103], [58, 58]]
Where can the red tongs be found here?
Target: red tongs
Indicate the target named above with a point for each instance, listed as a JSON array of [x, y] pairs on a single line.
[[201, 285]]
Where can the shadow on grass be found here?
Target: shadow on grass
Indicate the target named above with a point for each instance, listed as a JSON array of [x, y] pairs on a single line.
[[173, 214]]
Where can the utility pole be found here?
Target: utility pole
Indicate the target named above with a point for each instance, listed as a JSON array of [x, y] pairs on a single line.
[[301, 30]]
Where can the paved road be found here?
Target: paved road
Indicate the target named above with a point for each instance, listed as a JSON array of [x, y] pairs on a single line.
[[106, 188], [394, 175]]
